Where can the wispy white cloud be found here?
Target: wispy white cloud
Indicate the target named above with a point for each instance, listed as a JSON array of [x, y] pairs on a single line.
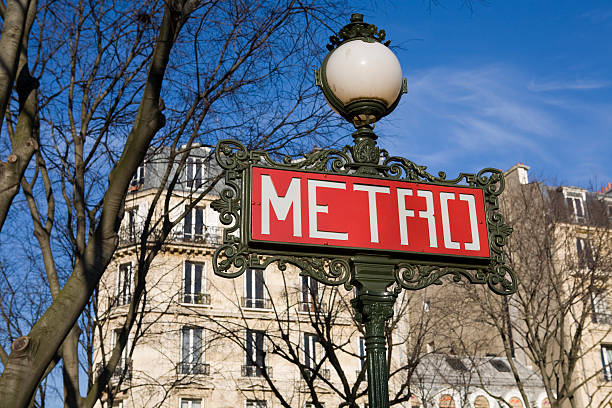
[[597, 16], [465, 119], [577, 85]]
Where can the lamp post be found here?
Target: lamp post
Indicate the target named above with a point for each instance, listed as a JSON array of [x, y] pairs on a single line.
[[362, 81]]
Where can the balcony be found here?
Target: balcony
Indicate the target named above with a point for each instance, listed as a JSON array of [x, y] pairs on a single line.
[[127, 236], [210, 236], [312, 307], [255, 371], [120, 299], [318, 374], [123, 371], [602, 318], [195, 298], [193, 369], [253, 303]]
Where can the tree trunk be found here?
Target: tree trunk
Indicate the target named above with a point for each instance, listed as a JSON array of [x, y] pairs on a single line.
[[31, 354], [13, 29]]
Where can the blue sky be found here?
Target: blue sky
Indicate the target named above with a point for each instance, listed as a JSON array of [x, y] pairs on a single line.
[[511, 81]]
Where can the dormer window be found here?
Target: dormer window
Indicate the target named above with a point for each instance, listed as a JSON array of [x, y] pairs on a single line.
[[195, 172], [138, 178], [575, 200]]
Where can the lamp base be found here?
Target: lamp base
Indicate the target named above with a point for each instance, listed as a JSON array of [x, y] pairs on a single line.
[[365, 111]]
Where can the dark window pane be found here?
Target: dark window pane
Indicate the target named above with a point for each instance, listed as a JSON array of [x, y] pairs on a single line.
[[249, 284], [578, 205], [187, 224], [259, 284], [197, 284], [198, 173], [188, 292], [199, 221], [500, 366], [456, 363]]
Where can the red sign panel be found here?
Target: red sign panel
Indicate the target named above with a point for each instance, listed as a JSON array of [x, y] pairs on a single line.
[[357, 212]]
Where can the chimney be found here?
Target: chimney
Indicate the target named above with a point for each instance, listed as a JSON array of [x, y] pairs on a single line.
[[518, 173]]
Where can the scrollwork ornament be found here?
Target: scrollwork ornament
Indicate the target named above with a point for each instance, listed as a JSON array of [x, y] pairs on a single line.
[[229, 261], [328, 271], [366, 151], [363, 159], [357, 29], [500, 278], [403, 169], [231, 154]]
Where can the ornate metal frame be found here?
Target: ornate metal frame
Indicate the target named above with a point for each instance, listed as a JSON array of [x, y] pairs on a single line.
[[235, 255]]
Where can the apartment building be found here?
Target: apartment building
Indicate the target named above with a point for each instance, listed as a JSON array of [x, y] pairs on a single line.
[[572, 227], [268, 338]]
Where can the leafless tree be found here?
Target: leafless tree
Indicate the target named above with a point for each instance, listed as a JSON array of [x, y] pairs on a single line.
[[114, 81], [562, 262], [329, 368]]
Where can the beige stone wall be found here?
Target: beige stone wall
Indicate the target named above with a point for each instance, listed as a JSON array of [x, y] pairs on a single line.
[[157, 352], [154, 379]]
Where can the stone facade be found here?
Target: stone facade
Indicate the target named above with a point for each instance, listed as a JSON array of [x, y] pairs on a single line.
[[205, 341]]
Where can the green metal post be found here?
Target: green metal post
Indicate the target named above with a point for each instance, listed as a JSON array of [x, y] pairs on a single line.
[[373, 306]]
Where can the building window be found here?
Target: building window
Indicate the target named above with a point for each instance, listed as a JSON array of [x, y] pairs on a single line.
[[128, 233], [516, 402], [256, 404], [601, 308], [191, 403], [123, 370], [195, 172], [500, 365], [124, 284], [192, 351], [255, 355], [456, 363], [254, 289], [481, 402], [606, 360], [585, 253], [310, 294], [446, 401], [193, 224], [310, 350], [138, 178], [575, 205], [194, 284], [362, 353]]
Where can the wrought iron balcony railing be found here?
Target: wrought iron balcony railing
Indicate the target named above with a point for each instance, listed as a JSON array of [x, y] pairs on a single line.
[[602, 318], [193, 368], [195, 298], [120, 299], [123, 370], [255, 303], [255, 371], [321, 373], [313, 307], [209, 235]]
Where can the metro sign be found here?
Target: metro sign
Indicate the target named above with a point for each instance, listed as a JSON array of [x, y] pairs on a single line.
[[349, 213]]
